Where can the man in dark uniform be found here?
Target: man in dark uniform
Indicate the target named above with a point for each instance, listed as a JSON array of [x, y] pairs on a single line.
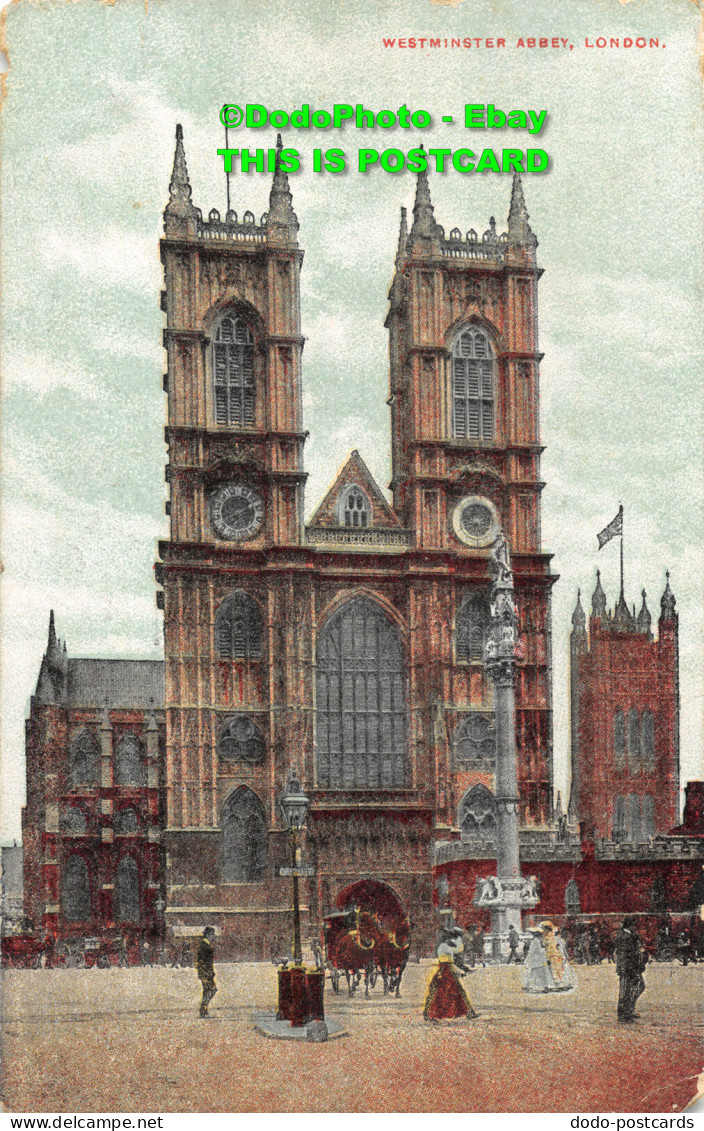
[[205, 970], [631, 960], [513, 940]]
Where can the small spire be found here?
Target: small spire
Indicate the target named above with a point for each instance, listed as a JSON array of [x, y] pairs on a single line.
[[519, 230], [424, 222], [644, 619], [579, 620], [572, 812], [558, 814], [598, 599], [280, 198], [667, 602], [402, 236], [180, 213], [51, 642], [622, 615], [179, 186]]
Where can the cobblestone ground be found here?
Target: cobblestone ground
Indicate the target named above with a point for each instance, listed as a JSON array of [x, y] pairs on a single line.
[[130, 1040]]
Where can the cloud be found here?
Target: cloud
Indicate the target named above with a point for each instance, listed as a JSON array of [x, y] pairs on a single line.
[[116, 258], [44, 374]]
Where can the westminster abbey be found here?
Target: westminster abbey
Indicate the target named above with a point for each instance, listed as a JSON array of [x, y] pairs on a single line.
[[350, 649]]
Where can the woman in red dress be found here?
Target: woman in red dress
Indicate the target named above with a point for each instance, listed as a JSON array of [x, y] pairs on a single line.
[[446, 999]]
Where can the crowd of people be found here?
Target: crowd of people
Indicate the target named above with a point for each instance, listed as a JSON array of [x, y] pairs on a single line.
[[546, 963]]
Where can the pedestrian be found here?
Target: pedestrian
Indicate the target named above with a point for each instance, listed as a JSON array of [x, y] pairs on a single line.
[[631, 960], [537, 976], [513, 940], [446, 999], [684, 947], [205, 969], [594, 946]]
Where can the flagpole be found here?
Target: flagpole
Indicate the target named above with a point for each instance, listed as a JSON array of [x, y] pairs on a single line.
[[620, 511]]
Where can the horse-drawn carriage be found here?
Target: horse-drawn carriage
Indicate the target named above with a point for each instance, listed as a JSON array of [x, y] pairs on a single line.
[[368, 939]]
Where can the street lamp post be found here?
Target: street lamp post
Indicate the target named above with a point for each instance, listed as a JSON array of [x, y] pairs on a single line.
[[294, 806], [300, 990]]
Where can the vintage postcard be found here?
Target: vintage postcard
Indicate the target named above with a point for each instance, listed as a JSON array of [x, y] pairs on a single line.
[[352, 544]]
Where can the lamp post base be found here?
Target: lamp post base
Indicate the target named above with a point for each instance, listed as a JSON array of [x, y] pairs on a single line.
[[301, 995]]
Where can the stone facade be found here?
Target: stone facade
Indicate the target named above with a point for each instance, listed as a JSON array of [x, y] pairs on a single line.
[[382, 584], [350, 650], [92, 825]]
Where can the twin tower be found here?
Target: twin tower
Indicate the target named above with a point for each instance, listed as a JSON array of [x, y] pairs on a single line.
[[352, 649]]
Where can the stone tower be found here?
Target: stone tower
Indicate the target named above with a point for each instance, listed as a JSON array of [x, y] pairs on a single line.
[[233, 678], [624, 699], [466, 451]]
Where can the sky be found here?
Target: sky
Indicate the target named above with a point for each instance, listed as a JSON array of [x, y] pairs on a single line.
[[91, 101]]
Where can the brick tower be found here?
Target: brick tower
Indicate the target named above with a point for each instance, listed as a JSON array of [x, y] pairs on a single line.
[[624, 690]]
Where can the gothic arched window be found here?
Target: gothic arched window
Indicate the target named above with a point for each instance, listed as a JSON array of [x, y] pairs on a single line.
[[241, 740], [127, 891], [633, 818], [648, 740], [572, 902], [75, 890], [129, 762], [633, 739], [233, 372], [475, 740], [473, 386], [360, 700], [126, 820], [471, 626], [354, 507], [619, 824], [85, 755], [74, 821], [244, 837], [648, 821], [619, 739], [239, 628], [477, 814]]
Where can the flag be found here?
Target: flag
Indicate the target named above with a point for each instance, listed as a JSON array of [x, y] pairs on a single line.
[[614, 528]]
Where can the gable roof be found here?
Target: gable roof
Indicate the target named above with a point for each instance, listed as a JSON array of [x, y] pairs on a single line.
[[354, 471]]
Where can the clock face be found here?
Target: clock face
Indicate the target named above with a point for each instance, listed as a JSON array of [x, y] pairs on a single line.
[[236, 511], [476, 521]]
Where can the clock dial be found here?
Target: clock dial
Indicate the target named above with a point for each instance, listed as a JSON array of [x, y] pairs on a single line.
[[476, 521], [236, 511]]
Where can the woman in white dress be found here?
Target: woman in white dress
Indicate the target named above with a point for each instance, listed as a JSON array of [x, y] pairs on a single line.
[[537, 975]]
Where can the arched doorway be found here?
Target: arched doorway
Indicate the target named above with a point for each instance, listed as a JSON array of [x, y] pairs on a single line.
[[374, 896]]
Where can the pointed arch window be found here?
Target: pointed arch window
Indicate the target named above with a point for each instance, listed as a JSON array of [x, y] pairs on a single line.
[[648, 821], [85, 755], [477, 813], [633, 818], [75, 890], [619, 739], [473, 386], [475, 740], [233, 371], [572, 900], [129, 761], [239, 629], [619, 823], [633, 739], [241, 740], [127, 891], [648, 740], [360, 701], [471, 627], [74, 821], [244, 838], [354, 507], [126, 821]]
